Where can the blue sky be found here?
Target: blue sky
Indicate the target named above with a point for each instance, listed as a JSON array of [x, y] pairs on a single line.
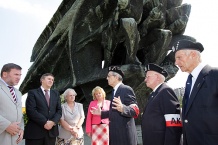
[[22, 21]]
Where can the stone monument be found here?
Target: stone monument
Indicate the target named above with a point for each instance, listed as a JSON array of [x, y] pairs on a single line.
[[85, 37]]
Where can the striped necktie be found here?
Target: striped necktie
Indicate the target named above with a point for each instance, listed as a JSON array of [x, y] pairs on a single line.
[[11, 89]]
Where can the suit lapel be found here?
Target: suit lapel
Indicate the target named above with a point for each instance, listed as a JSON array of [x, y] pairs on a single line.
[[198, 84], [67, 108], [152, 96], [42, 96], [51, 97], [118, 92], [6, 90]]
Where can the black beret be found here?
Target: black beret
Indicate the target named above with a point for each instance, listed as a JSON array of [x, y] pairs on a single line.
[[116, 69], [157, 68], [187, 44]]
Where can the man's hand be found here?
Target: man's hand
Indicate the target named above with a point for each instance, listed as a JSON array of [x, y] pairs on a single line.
[[96, 111], [20, 136], [117, 104], [75, 132], [13, 128], [49, 124]]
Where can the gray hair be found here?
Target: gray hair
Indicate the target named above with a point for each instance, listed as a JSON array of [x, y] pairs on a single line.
[[188, 51], [162, 78], [120, 78], [8, 67], [66, 92]]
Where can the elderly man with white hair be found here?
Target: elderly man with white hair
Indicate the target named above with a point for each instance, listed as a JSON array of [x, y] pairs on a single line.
[[161, 124], [200, 101]]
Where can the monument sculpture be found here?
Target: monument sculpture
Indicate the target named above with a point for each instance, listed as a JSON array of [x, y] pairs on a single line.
[[83, 38]]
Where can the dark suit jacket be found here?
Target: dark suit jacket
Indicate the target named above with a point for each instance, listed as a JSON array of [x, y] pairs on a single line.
[[39, 113], [122, 125], [200, 121], [154, 128]]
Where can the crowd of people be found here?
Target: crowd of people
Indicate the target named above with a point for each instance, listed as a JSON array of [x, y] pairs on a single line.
[[111, 122]]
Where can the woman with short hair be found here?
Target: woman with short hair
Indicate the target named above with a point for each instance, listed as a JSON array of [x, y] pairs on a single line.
[[70, 130]]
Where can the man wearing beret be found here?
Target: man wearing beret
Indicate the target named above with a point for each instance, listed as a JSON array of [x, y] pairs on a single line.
[[161, 123], [200, 101], [123, 109]]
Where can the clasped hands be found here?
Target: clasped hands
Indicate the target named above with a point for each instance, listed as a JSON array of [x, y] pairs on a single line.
[[117, 104], [49, 124], [74, 131]]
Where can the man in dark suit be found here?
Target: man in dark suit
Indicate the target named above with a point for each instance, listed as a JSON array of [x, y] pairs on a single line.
[[200, 117], [161, 124], [123, 109], [43, 108]]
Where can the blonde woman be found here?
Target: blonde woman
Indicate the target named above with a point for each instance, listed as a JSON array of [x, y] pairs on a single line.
[[98, 128], [70, 130]]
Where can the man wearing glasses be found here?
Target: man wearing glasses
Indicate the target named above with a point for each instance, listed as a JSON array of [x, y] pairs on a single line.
[[123, 109]]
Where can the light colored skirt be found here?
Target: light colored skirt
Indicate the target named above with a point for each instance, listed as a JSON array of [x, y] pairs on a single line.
[[71, 141], [100, 134]]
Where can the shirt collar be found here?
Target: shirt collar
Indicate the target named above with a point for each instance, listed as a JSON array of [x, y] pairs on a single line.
[[197, 70], [157, 87], [116, 87], [43, 90]]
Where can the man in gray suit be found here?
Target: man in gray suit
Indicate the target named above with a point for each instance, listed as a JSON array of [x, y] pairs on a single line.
[[11, 121], [200, 102]]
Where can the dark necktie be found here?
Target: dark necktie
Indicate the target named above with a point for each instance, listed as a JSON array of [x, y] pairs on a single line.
[[112, 97], [11, 89], [187, 90], [47, 96]]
